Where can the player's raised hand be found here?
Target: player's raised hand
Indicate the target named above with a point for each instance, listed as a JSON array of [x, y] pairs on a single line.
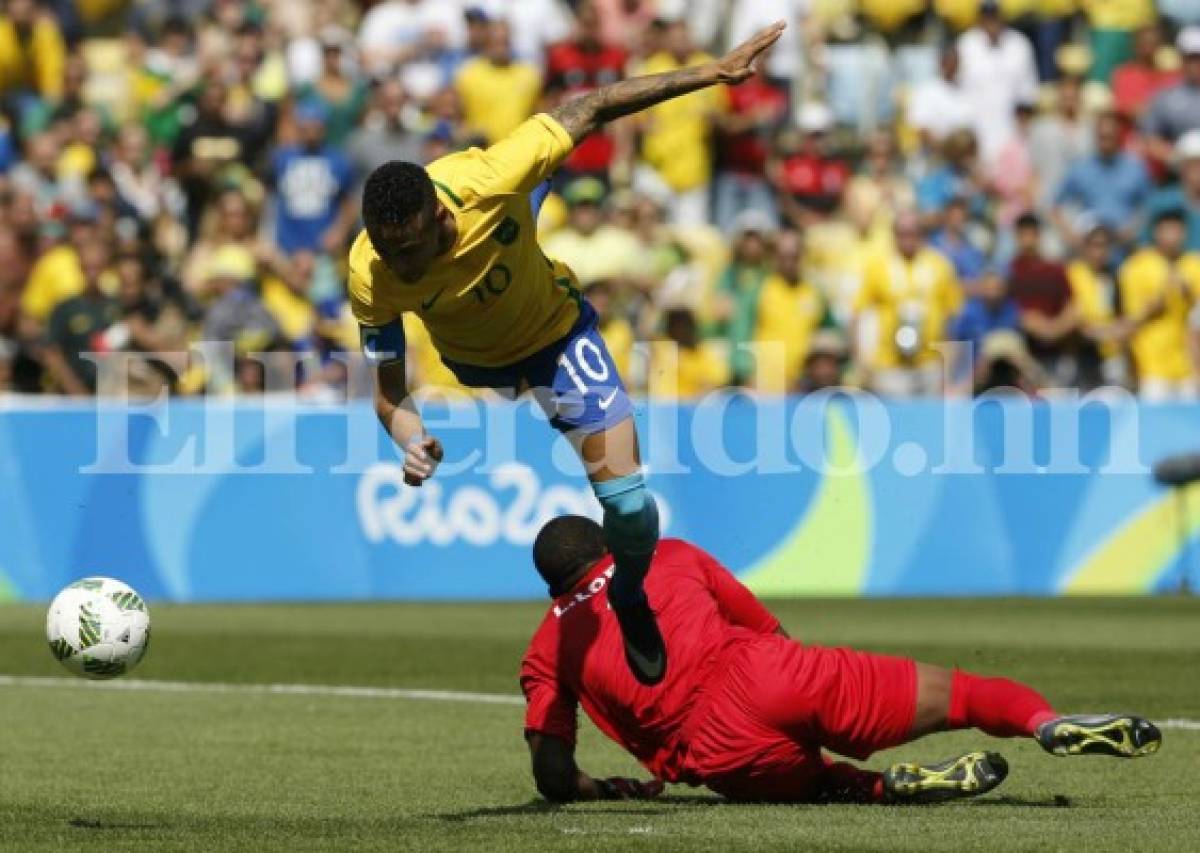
[[738, 65], [421, 458], [620, 788]]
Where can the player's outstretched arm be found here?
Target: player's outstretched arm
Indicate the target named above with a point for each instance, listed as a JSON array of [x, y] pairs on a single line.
[[581, 116], [560, 780], [400, 418]]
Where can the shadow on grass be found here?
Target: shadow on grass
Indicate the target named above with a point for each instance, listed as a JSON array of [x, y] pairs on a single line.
[[670, 804], [659, 805], [1058, 801], [89, 823]]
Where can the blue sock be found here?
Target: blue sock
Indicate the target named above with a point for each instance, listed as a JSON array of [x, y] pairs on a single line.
[[631, 532]]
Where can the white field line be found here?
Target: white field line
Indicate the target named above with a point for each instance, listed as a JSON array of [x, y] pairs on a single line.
[[137, 685]]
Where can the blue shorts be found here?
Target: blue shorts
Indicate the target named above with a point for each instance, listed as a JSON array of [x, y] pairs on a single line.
[[574, 379]]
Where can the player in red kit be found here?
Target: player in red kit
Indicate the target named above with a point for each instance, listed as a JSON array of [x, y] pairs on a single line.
[[747, 711]]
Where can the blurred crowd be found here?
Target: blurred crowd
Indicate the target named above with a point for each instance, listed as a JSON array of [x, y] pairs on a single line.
[[915, 197]]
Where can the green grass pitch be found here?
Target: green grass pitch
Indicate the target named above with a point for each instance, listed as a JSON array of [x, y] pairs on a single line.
[[108, 770]]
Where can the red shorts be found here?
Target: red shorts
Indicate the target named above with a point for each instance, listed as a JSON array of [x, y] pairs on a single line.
[[773, 703]]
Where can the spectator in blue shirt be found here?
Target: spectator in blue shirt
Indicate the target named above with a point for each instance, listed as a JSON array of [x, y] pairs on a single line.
[[958, 177], [1111, 184], [988, 311], [954, 241], [314, 207], [1184, 195]]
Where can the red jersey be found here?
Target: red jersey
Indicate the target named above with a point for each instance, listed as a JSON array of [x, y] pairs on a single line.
[[573, 69], [577, 656], [1039, 285], [814, 179], [746, 153]]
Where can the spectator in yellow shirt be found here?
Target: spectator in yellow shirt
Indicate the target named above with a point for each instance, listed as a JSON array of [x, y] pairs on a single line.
[[592, 247], [32, 51], [676, 135], [790, 310], [1094, 295], [963, 14], [57, 275], [888, 16], [1113, 25], [1160, 288], [497, 91], [614, 328], [681, 367], [913, 293]]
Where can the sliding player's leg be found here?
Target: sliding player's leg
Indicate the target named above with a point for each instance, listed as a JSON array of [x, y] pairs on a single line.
[[773, 704], [860, 703], [954, 699], [1001, 707]]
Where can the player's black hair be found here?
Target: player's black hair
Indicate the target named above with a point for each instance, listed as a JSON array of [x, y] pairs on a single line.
[[565, 548], [393, 194]]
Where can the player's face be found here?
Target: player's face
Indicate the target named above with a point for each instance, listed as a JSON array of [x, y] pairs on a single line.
[[409, 249]]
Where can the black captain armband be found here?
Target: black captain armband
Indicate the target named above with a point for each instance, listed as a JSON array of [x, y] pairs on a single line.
[[381, 344]]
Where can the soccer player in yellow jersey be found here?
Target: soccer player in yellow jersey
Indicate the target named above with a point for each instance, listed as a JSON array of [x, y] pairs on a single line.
[[455, 243]]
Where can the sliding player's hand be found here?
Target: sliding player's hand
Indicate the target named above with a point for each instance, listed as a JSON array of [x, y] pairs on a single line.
[[421, 458], [619, 788], [740, 64]]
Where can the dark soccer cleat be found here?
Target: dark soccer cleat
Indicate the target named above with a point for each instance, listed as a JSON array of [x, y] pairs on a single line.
[[967, 776], [644, 649], [1121, 735]]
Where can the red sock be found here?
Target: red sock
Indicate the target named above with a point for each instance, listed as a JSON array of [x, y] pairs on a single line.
[[845, 783], [996, 706]]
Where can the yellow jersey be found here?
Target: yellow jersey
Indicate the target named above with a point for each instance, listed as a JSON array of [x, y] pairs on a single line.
[[922, 292], [54, 279], [497, 98], [1094, 301], [682, 373], [1160, 346], [619, 338], [676, 133], [493, 299], [35, 62], [887, 15], [426, 368], [787, 318], [1119, 14], [962, 14]]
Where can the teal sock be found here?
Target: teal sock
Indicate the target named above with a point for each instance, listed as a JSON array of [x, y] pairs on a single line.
[[631, 533]]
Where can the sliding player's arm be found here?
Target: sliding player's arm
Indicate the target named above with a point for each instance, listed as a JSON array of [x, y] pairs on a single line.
[[560, 780], [551, 724], [584, 115]]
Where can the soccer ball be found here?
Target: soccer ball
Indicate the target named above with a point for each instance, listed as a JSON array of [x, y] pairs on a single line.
[[98, 628]]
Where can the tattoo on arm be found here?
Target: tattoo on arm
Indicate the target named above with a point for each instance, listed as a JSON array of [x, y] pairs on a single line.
[[583, 115]]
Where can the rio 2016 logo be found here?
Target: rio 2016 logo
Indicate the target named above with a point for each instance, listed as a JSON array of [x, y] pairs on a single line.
[[510, 509]]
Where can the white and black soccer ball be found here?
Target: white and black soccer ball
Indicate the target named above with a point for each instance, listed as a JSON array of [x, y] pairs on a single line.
[[98, 628]]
